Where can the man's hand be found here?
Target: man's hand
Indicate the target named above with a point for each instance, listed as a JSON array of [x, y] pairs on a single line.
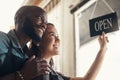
[[34, 67]]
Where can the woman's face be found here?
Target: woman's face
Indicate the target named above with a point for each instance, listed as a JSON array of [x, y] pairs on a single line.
[[50, 41]]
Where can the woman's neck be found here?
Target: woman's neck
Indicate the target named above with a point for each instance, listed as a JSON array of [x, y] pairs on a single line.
[[46, 57]]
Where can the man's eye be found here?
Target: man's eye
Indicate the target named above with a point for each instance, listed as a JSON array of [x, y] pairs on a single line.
[[38, 18]]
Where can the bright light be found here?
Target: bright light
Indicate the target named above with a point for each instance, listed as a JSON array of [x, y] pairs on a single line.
[[110, 67], [7, 12]]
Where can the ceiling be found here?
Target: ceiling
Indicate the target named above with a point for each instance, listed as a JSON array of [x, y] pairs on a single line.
[[32, 2]]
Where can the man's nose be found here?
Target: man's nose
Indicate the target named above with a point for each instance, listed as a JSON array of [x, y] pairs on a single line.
[[44, 26]]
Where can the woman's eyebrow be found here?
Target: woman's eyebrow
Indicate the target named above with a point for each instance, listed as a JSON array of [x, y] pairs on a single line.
[[51, 32]]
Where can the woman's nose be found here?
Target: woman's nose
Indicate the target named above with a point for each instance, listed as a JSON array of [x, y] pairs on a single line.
[[57, 38]]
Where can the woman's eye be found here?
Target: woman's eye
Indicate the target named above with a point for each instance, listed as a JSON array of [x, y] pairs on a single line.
[[52, 34]]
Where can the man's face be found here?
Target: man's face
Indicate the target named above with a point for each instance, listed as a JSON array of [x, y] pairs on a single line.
[[35, 25]]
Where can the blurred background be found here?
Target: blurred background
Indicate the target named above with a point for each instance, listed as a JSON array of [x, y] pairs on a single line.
[[71, 18]]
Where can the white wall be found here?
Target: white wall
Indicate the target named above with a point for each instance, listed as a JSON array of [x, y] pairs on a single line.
[[8, 9], [110, 68]]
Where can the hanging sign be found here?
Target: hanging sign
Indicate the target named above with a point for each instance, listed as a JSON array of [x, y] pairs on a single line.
[[106, 23]]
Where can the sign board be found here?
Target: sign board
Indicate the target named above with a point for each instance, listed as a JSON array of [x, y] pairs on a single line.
[[106, 23]]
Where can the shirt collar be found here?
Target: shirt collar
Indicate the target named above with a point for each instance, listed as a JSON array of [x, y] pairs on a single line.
[[14, 40]]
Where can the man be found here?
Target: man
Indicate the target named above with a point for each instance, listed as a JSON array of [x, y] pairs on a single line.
[[15, 64]]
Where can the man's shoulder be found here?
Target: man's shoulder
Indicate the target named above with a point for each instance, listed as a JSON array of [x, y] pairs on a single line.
[[4, 42], [2, 33], [3, 36]]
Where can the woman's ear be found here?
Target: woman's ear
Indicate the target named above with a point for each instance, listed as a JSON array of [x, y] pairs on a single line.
[[38, 44], [35, 43]]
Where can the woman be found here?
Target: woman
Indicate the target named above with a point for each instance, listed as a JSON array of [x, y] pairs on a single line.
[[49, 47]]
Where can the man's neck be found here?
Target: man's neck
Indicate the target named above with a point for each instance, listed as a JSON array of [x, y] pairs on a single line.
[[23, 39]]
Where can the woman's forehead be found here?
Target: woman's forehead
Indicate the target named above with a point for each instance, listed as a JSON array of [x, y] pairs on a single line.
[[50, 28]]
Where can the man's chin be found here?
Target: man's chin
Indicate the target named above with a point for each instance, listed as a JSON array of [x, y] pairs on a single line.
[[37, 39]]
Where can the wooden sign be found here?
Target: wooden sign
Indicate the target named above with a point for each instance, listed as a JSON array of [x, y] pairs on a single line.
[[106, 23]]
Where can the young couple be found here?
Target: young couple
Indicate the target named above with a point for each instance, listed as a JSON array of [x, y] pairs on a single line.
[[18, 62]]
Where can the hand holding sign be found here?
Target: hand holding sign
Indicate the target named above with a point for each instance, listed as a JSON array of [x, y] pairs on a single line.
[[106, 23]]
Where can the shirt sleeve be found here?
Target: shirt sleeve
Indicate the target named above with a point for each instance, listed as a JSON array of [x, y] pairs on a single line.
[[4, 43]]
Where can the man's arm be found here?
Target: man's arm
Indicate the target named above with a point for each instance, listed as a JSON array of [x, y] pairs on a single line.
[[30, 70], [12, 76]]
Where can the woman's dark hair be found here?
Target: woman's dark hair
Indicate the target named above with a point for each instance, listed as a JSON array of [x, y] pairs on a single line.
[[34, 49]]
